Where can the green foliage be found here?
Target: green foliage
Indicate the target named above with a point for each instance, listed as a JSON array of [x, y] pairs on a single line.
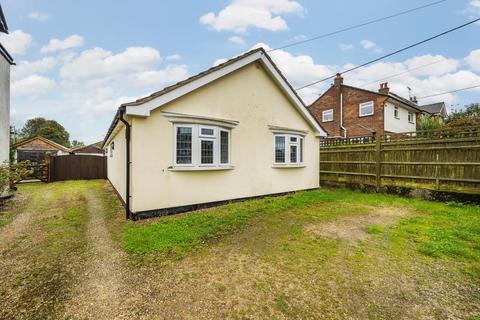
[[77, 143], [49, 129], [12, 173], [429, 123], [470, 116]]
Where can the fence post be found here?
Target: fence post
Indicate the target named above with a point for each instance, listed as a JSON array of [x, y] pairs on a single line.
[[378, 159]]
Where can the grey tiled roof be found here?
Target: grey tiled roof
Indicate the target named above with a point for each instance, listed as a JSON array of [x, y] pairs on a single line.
[[433, 108], [3, 22]]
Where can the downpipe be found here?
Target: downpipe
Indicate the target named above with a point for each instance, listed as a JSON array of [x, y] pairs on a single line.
[[128, 213]]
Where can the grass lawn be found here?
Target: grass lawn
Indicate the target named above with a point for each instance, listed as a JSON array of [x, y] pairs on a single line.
[[322, 254], [332, 252]]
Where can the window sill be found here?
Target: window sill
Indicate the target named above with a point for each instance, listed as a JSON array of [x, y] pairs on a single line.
[[205, 168], [398, 118], [365, 115], [288, 166], [327, 120]]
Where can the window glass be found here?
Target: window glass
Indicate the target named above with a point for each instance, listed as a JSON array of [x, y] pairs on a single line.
[[327, 115], [395, 112], [223, 146], [206, 152], [301, 149], [410, 117], [184, 145], [207, 132], [293, 154], [280, 149], [366, 108]]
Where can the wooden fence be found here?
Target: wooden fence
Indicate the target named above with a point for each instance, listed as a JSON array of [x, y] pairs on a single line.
[[77, 167], [442, 160]]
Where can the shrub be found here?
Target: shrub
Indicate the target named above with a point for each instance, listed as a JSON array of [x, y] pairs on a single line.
[[12, 173]]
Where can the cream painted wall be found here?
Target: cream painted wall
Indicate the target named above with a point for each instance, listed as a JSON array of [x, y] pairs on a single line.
[[116, 165], [248, 96], [393, 124]]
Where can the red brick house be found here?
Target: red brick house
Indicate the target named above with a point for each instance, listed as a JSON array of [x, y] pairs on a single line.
[[346, 111]]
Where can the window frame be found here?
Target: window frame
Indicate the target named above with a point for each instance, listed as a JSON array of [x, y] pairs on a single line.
[[396, 112], [362, 105], [324, 112], [412, 114], [197, 138], [112, 148], [288, 144]]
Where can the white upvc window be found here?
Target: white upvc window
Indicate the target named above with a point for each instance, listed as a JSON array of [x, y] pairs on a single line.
[[288, 149], [327, 115], [411, 117], [365, 109], [201, 146], [395, 112]]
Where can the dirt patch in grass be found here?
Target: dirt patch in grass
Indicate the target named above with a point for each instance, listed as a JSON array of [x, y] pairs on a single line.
[[358, 227]]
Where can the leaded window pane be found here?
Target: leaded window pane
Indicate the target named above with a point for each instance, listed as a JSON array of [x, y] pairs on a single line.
[[293, 154], [280, 149], [223, 147], [184, 145], [206, 152]]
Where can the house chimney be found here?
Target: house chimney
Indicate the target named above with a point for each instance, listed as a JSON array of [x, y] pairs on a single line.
[[384, 89], [414, 99], [338, 80]]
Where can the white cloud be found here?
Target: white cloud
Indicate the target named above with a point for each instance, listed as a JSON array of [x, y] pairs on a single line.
[[160, 78], [239, 15], [237, 40], [219, 61], [99, 63], [367, 44], [32, 86], [17, 42], [436, 65], [346, 47], [67, 43], [38, 16], [473, 59], [26, 68], [174, 57]]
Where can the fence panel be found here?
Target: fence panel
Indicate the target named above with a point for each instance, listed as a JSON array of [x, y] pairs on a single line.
[[77, 167], [442, 160]]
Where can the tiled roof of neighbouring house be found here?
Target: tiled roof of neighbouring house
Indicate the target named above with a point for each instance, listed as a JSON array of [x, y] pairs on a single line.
[[433, 108], [3, 22]]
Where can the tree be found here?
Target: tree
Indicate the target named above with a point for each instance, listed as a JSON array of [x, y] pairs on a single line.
[[470, 116], [77, 143], [49, 129], [429, 123]]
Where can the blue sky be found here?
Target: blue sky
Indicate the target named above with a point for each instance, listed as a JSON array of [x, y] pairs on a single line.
[[78, 60]]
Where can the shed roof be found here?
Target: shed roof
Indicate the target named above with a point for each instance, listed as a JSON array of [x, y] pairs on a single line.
[[43, 139]]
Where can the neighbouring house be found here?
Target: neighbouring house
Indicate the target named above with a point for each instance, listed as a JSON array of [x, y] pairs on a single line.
[[235, 131], [346, 111], [36, 148], [436, 110], [6, 61], [91, 149]]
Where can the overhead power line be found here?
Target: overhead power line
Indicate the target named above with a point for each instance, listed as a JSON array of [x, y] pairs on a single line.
[[447, 92], [392, 53], [406, 71], [325, 35]]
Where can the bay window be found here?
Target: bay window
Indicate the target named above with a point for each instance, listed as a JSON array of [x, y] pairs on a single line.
[[199, 146], [289, 149]]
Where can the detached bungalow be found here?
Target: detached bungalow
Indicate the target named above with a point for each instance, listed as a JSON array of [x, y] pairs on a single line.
[[235, 131]]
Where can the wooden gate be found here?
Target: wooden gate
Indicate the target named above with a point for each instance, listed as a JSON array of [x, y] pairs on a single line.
[[77, 167]]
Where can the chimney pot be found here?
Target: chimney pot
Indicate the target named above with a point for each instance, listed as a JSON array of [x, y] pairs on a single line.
[[384, 89], [338, 80]]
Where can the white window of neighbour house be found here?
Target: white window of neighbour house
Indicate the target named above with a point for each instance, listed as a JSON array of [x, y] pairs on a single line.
[[327, 115], [365, 109]]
